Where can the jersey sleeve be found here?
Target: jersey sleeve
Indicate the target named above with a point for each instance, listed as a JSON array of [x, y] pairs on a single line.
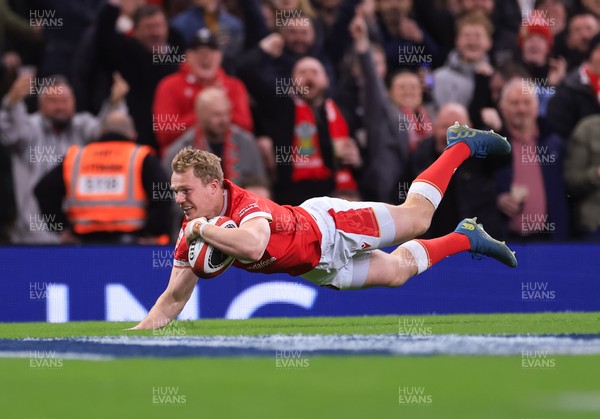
[[180, 255], [252, 208]]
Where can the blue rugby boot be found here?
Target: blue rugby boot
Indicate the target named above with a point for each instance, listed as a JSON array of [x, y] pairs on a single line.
[[480, 142], [483, 244]]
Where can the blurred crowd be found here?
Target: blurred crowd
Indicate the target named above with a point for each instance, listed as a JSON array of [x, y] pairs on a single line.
[[299, 98]]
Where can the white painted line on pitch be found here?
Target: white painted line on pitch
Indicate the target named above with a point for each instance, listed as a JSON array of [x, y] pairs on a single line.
[[58, 355], [580, 402], [392, 344]]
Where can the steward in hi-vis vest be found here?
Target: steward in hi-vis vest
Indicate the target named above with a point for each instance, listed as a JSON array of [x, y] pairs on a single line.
[[106, 191], [103, 181]]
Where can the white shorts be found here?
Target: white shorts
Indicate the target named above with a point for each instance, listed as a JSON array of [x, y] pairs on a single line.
[[350, 230]]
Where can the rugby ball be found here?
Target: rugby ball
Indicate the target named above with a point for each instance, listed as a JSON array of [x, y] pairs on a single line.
[[207, 261]]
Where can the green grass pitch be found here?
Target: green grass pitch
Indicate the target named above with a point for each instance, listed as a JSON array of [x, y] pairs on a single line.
[[325, 387]]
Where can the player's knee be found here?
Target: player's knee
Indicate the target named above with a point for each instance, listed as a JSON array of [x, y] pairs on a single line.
[[421, 224]]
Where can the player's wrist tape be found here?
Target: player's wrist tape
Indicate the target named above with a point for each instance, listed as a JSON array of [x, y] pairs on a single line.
[[201, 229]]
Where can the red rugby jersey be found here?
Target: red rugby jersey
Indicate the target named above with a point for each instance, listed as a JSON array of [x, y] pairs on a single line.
[[295, 244]]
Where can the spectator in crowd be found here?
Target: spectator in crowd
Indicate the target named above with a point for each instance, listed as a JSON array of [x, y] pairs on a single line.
[[63, 24], [506, 17], [552, 13], [296, 38], [108, 190], [144, 58], [472, 188], [91, 75], [582, 174], [175, 94], [406, 93], [456, 81], [351, 89], [216, 132], [530, 186], [387, 145], [580, 30], [406, 43], [38, 141], [313, 151], [212, 15], [579, 94], [535, 42]]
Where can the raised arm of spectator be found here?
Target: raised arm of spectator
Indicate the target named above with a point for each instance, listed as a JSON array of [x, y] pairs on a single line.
[[112, 45], [15, 126], [338, 39], [115, 102], [254, 70], [254, 23], [385, 142]]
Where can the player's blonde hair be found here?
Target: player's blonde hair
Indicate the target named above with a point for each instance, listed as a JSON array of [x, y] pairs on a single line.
[[206, 165]]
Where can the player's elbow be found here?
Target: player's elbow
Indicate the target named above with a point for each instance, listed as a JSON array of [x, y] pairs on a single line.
[[254, 253]]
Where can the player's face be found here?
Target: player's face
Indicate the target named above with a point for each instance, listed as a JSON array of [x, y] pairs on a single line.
[[194, 197]]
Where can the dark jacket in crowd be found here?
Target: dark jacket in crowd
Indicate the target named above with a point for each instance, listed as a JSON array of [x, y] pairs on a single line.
[[135, 63], [573, 101]]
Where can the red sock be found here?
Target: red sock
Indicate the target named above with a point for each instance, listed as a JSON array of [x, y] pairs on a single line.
[[440, 247], [440, 172]]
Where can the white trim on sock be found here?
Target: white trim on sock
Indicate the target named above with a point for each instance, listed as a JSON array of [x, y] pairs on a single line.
[[426, 190], [419, 253]]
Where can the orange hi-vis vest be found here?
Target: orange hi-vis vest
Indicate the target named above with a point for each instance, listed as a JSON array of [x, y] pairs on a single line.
[[104, 190]]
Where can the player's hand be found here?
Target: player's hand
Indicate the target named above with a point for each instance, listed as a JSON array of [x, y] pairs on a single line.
[[272, 45], [359, 31], [119, 88], [192, 229], [508, 204], [598, 171]]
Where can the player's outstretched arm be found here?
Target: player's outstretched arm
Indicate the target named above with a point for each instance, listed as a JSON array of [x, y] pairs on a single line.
[[245, 243], [171, 301]]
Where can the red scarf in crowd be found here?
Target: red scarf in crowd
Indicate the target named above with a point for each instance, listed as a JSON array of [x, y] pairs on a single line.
[[306, 151], [591, 78], [230, 158]]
